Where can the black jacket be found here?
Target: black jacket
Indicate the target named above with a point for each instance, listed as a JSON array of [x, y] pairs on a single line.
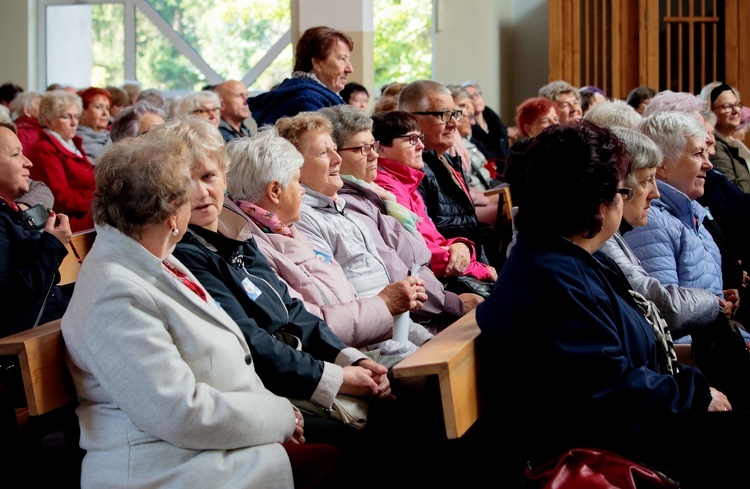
[[29, 262], [450, 208], [234, 275]]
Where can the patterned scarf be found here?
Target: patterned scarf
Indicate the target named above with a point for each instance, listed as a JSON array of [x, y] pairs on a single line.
[[407, 218], [667, 358], [266, 221]]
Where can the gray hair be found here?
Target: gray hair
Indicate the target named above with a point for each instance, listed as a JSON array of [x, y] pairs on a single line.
[[413, 96], [470, 83], [126, 123], [256, 161], [55, 102], [670, 131], [202, 139], [458, 91], [644, 153], [554, 89], [25, 101], [613, 113], [346, 121], [669, 101], [5, 115], [191, 102], [156, 97]]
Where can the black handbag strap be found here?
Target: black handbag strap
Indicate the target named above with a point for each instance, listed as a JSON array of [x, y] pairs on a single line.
[[44, 303]]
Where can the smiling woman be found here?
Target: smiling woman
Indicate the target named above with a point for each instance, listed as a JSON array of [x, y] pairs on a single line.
[[321, 68]]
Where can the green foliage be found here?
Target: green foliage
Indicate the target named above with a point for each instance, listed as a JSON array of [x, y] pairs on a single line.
[[233, 35]]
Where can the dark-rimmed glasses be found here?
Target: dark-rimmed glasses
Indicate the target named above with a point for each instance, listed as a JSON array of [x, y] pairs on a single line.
[[728, 107], [413, 138], [626, 192], [444, 116], [365, 149]]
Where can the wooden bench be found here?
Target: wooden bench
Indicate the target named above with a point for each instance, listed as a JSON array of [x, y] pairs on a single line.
[[452, 357], [80, 244]]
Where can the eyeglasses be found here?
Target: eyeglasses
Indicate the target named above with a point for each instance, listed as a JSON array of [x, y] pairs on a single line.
[[626, 192], [365, 149], [701, 154], [206, 112], [70, 117], [444, 116], [728, 107], [413, 138]]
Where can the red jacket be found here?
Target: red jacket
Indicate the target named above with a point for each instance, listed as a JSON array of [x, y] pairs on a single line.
[[28, 132], [70, 177]]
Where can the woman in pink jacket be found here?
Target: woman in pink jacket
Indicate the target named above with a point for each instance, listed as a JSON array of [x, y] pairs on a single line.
[[400, 171]]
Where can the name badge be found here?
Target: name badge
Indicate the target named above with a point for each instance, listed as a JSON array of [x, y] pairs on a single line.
[[251, 290], [324, 257]]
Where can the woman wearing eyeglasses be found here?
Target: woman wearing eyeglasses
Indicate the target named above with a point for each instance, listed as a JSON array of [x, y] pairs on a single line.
[[60, 160], [724, 101], [392, 225], [204, 104], [336, 234], [400, 172]]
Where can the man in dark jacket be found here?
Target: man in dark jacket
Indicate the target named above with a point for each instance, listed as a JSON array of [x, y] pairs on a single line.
[[444, 187]]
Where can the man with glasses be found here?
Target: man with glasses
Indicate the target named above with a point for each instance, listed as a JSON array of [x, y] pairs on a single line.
[[444, 188], [566, 97], [234, 109]]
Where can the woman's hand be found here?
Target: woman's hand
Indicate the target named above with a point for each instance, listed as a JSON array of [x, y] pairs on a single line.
[[58, 225], [719, 402], [405, 295], [732, 297], [298, 437], [470, 301], [459, 259], [367, 379]]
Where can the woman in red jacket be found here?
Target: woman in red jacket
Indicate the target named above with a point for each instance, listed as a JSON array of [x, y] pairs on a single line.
[[59, 159]]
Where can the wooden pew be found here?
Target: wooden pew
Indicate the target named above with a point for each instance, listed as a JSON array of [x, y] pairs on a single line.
[[80, 244], [452, 356], [504, 190], [41, 356]]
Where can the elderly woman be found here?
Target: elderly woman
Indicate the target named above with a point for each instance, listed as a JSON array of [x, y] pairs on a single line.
[[263, 187], [235, 272], [336, 234], [489, 131], [566, 332], [205, 104], [392, 226], [31, 257], [399, 168], [724, 101], [60, 160], [533, 115], [189, 409], [135, 120], [322, 63], [93, 127], [26, 113]]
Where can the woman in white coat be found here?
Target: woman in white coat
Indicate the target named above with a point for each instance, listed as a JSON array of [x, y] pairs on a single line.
[[167, 387]]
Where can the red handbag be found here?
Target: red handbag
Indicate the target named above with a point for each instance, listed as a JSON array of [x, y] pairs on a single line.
[[589, 468]]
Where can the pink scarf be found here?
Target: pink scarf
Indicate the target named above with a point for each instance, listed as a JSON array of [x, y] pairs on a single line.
[[267, 221]]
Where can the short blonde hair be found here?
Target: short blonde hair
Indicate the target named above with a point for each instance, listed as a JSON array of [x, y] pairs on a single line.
[[292, 128], [203, 141], [140, 182], [189, 103], [55, 102]]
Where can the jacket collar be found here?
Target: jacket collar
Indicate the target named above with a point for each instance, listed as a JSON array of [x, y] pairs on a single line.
[[405, 174], [316, 200], [679, 205]]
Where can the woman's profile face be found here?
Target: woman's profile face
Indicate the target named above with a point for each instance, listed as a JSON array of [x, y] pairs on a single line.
[[353, 163], [290, 199], [66, 123], [688, 173], [96, 115], [404, 152], [635, 210], [322, 164], [727, 118], [14, 166], [334, 69], [210, 182]]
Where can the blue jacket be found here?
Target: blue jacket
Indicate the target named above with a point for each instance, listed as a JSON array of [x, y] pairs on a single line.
[[293, 96], [674, 246], [29, 260], [575, 359], [238, 276]]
